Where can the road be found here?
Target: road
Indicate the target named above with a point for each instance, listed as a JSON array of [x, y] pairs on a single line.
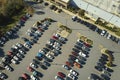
[[66, 48]]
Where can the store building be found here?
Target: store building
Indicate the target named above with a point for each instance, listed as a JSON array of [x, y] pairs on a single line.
[[95, 12]]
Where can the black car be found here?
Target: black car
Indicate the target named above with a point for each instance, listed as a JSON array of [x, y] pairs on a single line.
[[21, 78], [46, 4], [36, 61], [99, 68], [46, 63], [75, 50], [79, 44], [45, 49], [78, 47], [105, 77], [112, 38], [49, 46], [25, 39], [99, 31], [82, 58], [93, 27], [94, 77], [33, 41], [52, 7]]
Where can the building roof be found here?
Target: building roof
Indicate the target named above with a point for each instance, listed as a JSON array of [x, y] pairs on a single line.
[[99, 12]]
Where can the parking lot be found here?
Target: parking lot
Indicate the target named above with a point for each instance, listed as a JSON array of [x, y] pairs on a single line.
[[56, 65]]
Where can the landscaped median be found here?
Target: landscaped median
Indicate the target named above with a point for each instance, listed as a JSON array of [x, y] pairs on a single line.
[[85, 39], [64, 31], [110, 56]]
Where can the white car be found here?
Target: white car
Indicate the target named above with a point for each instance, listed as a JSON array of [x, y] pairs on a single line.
[[41, 51], [50, 43], [16, 58], [50, 56], [20, 55], [56, 47], [14, 61], [38, 32], [14, 46], [33, 65], [19, 45], [108, 37], [2, 76], [27, 46], [33, 77], [57, 35], [20, 51], [57, 44], [103, 32], [82, 54], [72, 76], [8, 68], [58, 78], [74, 72]]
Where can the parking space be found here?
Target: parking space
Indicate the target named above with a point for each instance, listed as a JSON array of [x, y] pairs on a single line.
[[59, 61]]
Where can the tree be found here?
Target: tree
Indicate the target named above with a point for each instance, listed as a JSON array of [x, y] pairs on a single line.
[[81, 13]]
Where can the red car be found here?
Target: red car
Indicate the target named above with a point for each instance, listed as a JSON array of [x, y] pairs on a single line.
[[25, 76], [30, 69], [60, 74], [86, 44], [10, 53], [68, 63], [74, 53], [40, 29], [54, 37]]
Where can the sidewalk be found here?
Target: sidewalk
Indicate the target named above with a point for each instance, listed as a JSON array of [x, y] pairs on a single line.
[[72, 14]]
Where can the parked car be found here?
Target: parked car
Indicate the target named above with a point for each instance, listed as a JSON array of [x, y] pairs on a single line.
[[66, 67], [24, 39], [16, 58], [36, 61], [74, 18], [50, 56], [82, 54], [34, 77], [25, 76], [20, 55], [33, 65], [52, 7], [75, 73], [98, 68], [58, 78], [77, 65], [105, 77], [103, 32], [62, 75], [72, 76], [46, 63], [94, 77], [30, 69], [3, 76], [14, 61], [36, 73], [56, 52], [9, 68]]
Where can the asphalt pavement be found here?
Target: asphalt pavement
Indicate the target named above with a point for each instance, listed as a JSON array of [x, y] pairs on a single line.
[[57, 63]]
